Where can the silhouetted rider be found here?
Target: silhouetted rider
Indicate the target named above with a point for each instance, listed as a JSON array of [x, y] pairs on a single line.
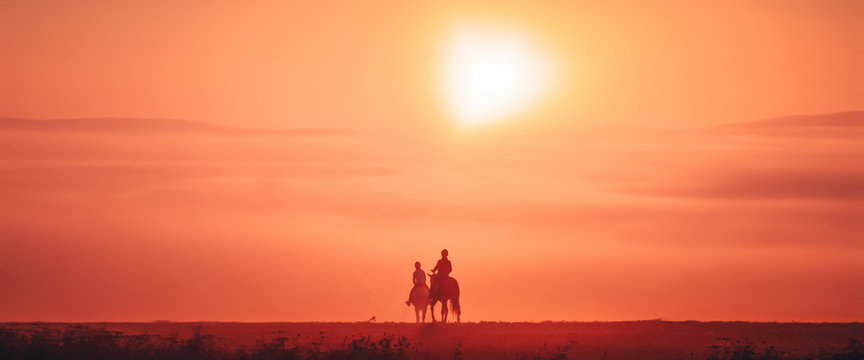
[[443, 268], [419, 279]]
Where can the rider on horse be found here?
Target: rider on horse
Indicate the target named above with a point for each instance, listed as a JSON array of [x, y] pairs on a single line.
[[419, 280], [443, 268]]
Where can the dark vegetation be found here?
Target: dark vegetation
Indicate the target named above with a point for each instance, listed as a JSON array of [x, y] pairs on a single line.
[[80, 342], [727, 349]]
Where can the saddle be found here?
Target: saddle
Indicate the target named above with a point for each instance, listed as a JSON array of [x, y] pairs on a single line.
[[419, 291]]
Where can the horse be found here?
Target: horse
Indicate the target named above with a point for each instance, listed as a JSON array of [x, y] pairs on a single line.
[[420, 300], [448, 290]]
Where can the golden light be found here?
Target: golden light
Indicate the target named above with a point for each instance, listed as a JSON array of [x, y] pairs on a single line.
[[492, 74]]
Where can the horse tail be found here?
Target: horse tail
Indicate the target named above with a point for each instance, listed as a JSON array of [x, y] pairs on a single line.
[[454, 305], [454, 302]]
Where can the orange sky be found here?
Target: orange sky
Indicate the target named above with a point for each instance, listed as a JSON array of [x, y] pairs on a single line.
[[621, 196]]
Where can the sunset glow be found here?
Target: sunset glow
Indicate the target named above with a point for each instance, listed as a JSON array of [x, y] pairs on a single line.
[[492, 73], [292, 160]]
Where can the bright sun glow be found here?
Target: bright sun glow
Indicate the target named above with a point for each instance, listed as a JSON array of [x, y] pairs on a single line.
[[492, 74]]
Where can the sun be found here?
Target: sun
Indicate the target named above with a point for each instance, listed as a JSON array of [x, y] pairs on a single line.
[[492, 74]]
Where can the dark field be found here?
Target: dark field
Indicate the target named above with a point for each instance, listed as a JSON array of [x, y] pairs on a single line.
[[485, 340]]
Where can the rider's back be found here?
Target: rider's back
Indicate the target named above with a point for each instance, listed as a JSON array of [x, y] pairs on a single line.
[[444, 267], [419, 277]]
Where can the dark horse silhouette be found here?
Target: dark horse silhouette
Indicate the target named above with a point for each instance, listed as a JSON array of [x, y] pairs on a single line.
[[448, 290]]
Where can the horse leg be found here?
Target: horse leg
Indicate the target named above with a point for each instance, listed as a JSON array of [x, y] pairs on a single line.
[[457, 308], [432, 309], [444, 311], [416, 314], [424, 314]]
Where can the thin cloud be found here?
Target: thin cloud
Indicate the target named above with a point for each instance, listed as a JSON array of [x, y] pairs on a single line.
[[843, 185], [840, 124], [155, 126]]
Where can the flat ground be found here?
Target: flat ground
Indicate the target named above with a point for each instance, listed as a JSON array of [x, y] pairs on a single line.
[[580, 340]]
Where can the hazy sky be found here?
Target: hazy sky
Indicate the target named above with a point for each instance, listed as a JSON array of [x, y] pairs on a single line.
[[375, 64], [617, 196]]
